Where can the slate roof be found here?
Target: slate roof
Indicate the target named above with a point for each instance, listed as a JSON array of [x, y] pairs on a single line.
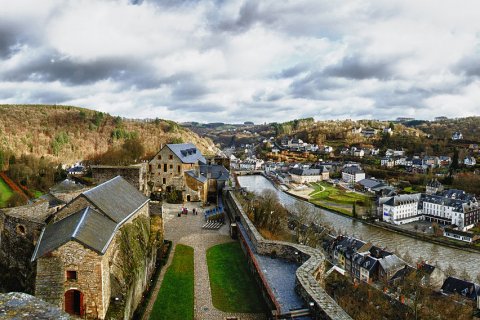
[[87, 226], [305, 172], [353, 170], [369, 263], [116, 201], [194, 175], [217, 172], [465, 288], [116, 198], [187, 152], [370, 183], [391, 262]]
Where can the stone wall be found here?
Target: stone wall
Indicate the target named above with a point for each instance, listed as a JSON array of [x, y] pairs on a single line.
[[20, 228], [135, 175], [307, 275], [75, 205], [52, 283]]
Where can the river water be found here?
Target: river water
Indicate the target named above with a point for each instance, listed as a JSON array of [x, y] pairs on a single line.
[[430, 252]]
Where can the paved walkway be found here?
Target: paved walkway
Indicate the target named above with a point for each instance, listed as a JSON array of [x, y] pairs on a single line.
[[188, 230]]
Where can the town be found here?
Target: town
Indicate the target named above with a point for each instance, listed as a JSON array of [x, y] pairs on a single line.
[[97, 244]]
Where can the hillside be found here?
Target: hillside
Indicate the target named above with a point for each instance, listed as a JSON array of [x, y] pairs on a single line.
[[67, 134], [469, 127]]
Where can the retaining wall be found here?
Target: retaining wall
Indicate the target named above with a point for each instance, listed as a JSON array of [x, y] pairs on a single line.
[[308, 275]]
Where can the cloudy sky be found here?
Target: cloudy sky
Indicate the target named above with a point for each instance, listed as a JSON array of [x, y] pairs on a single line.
[[240, 60]]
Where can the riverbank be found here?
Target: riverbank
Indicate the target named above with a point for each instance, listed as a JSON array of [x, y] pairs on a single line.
[[390, 228]]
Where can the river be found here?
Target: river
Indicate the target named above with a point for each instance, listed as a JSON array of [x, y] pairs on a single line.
[[417, 249]]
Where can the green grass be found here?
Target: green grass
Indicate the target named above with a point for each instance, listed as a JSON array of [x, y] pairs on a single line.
[[232, 285], [326, 191], [37, 194], [175, 298], [5, 193]]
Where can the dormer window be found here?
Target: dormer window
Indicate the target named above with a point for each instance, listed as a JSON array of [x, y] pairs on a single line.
[[72, 275]]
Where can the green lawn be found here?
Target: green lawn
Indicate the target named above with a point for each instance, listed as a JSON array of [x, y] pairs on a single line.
[[175, 298], [232, 285], [326, 191], [333, 198], [5, 193]]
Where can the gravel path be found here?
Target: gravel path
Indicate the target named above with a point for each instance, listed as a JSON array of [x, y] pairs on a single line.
[[188, 230]]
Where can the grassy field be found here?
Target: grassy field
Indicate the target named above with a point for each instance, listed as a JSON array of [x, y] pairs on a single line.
[[233, 287], [5, 193], [331, 197], [175, 298]]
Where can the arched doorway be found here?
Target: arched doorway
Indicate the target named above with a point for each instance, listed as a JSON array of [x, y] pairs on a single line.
[[74, 302], [188, 197]]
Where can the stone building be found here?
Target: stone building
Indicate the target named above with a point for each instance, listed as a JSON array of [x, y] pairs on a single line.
[[20, 228], [86, 255], [134, 174], [169, 166]]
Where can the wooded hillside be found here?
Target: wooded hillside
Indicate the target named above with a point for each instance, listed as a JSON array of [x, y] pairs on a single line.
[[67, 134]]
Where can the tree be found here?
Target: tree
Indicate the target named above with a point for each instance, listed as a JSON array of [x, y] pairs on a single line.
[[465, 275], [454, 164], [16, 199], [450, 271]]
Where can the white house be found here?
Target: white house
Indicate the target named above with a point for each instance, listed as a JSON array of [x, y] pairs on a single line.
[[352, 174], [457, 135], [469, 161], [300, 175], [387, 162], [400, 209]]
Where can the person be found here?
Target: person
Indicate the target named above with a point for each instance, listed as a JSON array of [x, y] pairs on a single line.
[[194, 212]]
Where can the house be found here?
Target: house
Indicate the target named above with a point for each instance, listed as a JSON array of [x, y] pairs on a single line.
[[356, 130], [457, 135], [464, 288], [300, 175], [369, 132], [327, 149], [388, 131], [387, 162], [167, 168], [433, 186], [352, 174], [469, 161], [76, 170], [79, 251], [389, 266], [460, 235], [356, 152], [400, 209], [369, 184], [369, 269], [431, 276]]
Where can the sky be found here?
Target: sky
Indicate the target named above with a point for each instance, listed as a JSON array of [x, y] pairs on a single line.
[[240, 60]]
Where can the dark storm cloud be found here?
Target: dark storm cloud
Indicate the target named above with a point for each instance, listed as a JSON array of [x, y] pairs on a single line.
[[49, 67], [469, 66], [312, 84], [359, 68], [9, 38], [188, 88]]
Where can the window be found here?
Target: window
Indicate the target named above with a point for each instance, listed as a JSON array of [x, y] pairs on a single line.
[[71, 275], [170, 157], [164, 181], [179, 168], [21, 230], [171, 167], [164, 167], [159, 157]]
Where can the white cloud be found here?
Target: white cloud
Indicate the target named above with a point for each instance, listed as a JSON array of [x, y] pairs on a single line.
[[244, 60]]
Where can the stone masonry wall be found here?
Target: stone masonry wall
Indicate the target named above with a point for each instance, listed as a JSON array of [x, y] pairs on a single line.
[[72, 207], [52, 282], [307, 274], [135, 175], [20, 228]]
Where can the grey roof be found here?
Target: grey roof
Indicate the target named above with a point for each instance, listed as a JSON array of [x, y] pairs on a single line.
[[116, 198], [67, 185], [369, 263], [216, 171], [305, 172], [187, 152], [87, 226], [370, 183], [194, 175], [353, 170], [391, 262], [465, 288]]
